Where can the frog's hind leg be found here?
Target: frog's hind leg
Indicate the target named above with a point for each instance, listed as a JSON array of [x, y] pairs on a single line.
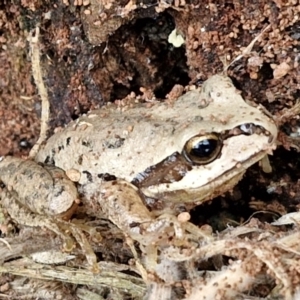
[[24, 216]]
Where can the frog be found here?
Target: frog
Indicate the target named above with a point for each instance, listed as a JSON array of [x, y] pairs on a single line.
[[144, 165], [176, 155]]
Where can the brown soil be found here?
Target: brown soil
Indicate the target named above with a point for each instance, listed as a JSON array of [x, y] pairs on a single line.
[[100, 50]]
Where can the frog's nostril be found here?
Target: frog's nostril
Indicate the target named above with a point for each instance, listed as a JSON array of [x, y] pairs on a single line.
[[247, 128]]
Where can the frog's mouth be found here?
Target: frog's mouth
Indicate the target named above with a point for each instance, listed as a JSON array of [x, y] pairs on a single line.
[[160, 201]]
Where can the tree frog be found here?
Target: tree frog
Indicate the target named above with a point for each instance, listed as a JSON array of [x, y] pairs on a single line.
[[139, 165]]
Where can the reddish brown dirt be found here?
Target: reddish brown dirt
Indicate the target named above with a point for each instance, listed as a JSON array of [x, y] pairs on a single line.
[[85, 66]]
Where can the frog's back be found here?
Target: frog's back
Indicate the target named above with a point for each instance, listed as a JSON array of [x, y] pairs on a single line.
[[125, 141], [122, 143]]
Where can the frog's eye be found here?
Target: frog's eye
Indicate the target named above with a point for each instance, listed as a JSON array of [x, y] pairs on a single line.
[[202, 149]]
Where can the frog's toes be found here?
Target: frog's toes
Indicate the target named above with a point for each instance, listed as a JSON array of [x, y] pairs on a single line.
[[178, 226], [81, 239], [64, 230]]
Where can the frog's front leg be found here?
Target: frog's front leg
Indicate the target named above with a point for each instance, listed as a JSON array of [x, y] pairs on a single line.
[[122, 204]]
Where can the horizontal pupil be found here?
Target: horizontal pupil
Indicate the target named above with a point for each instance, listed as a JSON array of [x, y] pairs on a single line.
[[204, 148]]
